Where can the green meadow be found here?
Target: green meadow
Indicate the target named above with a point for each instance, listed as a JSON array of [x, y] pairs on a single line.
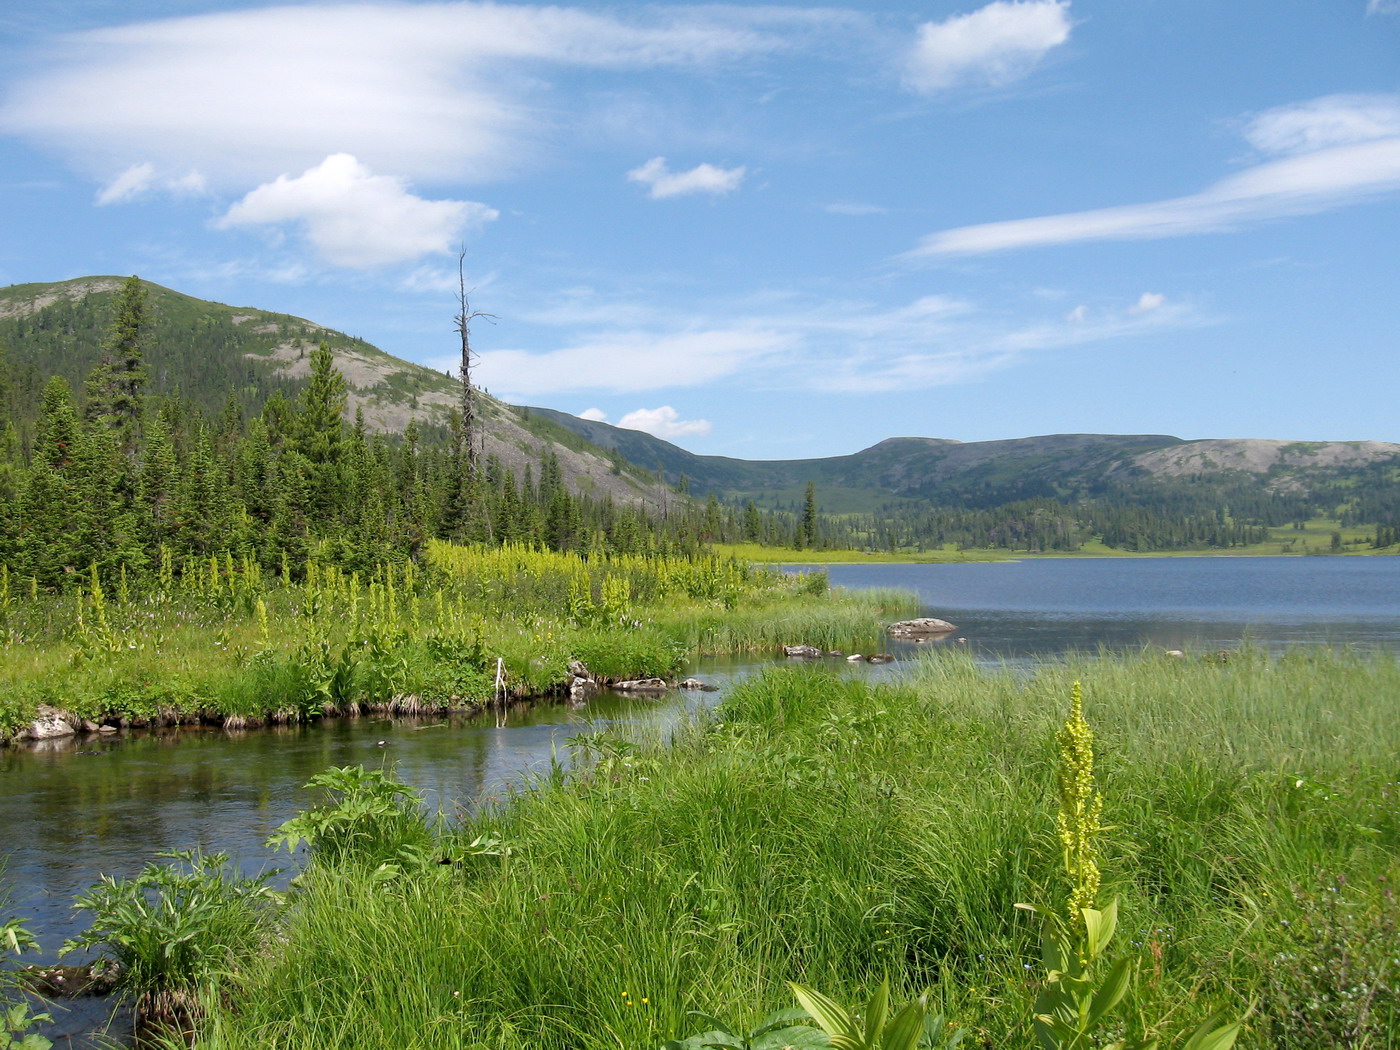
[[820, 829]]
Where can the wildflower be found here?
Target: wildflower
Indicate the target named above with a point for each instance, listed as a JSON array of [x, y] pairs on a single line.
[[1080, 807]]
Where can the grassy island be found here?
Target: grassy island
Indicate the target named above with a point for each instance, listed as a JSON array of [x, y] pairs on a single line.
[[221, 640]]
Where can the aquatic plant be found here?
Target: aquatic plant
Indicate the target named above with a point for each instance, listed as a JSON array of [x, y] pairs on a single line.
[[175, 931]]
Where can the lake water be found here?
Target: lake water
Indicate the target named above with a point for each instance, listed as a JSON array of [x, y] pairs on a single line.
[[69, 812], [1016, 611]]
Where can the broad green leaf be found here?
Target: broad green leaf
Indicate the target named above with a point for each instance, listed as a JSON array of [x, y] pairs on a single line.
[[1111, 992], [829, 1015], [800, 1037], [1207, 1038], [877, 1010], [777, 1019], [904, 1031]]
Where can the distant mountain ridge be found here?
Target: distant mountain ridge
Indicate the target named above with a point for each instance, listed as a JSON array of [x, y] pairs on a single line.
[[986, 473]]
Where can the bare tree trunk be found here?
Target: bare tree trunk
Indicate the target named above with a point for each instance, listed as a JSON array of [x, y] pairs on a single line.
[[467, 434]]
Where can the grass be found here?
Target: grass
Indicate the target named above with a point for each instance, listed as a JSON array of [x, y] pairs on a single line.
[[825, 831]]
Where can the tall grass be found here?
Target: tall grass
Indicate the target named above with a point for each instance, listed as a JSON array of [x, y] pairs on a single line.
[[825, 831]]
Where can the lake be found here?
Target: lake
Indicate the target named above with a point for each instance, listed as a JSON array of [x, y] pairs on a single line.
[[105, 805], [1025, 610]]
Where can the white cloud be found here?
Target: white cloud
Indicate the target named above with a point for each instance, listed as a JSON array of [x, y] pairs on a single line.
[[634, 360], [703, 178], [1295, 184], [595, 414], [355, 218], [785, 342], [435, 91], [993, 45], [1383, 7], [1333, 120], [664, 422], [130, 184], [140, 179]]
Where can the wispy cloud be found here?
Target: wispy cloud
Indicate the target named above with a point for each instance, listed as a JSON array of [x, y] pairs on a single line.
[[140, 180], [853, 208], [662, 182], [994, 45], [429, 91], [355, 218], [818, 344], [1335, 151]]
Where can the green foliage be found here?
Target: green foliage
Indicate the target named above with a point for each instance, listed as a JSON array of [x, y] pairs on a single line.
[[370, 819], [175, 931], [778, 1031]]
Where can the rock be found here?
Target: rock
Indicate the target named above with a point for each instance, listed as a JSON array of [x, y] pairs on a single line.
[[836, 654], [642, 685], [854, 658], [1177, 653], [880, 658], [581, 687], [50, 722], [802, 652], [923, 626], [578, 670], [695, 683]]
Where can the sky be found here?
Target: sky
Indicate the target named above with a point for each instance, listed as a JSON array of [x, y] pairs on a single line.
[[776, 231]]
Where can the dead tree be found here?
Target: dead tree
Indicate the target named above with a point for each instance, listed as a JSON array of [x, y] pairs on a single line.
[[467, 435]]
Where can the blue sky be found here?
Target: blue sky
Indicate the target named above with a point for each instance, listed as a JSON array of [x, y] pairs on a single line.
[[759, 231]]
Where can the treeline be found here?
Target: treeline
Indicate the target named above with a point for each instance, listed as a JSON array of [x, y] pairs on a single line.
[[113, 477]]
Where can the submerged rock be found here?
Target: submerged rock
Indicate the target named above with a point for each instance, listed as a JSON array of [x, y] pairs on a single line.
[[695, 683], [802, 652]]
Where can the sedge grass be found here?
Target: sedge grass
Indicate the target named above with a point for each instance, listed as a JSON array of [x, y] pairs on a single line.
[[824, 831]]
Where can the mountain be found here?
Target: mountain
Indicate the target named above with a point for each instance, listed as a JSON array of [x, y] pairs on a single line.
[[902, 472], [210, 353]]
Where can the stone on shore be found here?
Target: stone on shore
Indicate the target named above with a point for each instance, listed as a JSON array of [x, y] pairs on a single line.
[[921, 627]]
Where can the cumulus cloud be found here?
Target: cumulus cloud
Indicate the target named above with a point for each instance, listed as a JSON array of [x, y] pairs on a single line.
[[664, 422], [355, 218], [703, 178], [1149, 301], [595, 414], [429, 90], [1333, 154], [994, 45]]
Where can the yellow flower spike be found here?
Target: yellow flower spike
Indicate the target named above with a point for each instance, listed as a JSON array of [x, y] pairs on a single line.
[[1080, 808]]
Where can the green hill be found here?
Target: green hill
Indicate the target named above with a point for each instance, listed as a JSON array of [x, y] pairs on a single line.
[[210, 353]]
